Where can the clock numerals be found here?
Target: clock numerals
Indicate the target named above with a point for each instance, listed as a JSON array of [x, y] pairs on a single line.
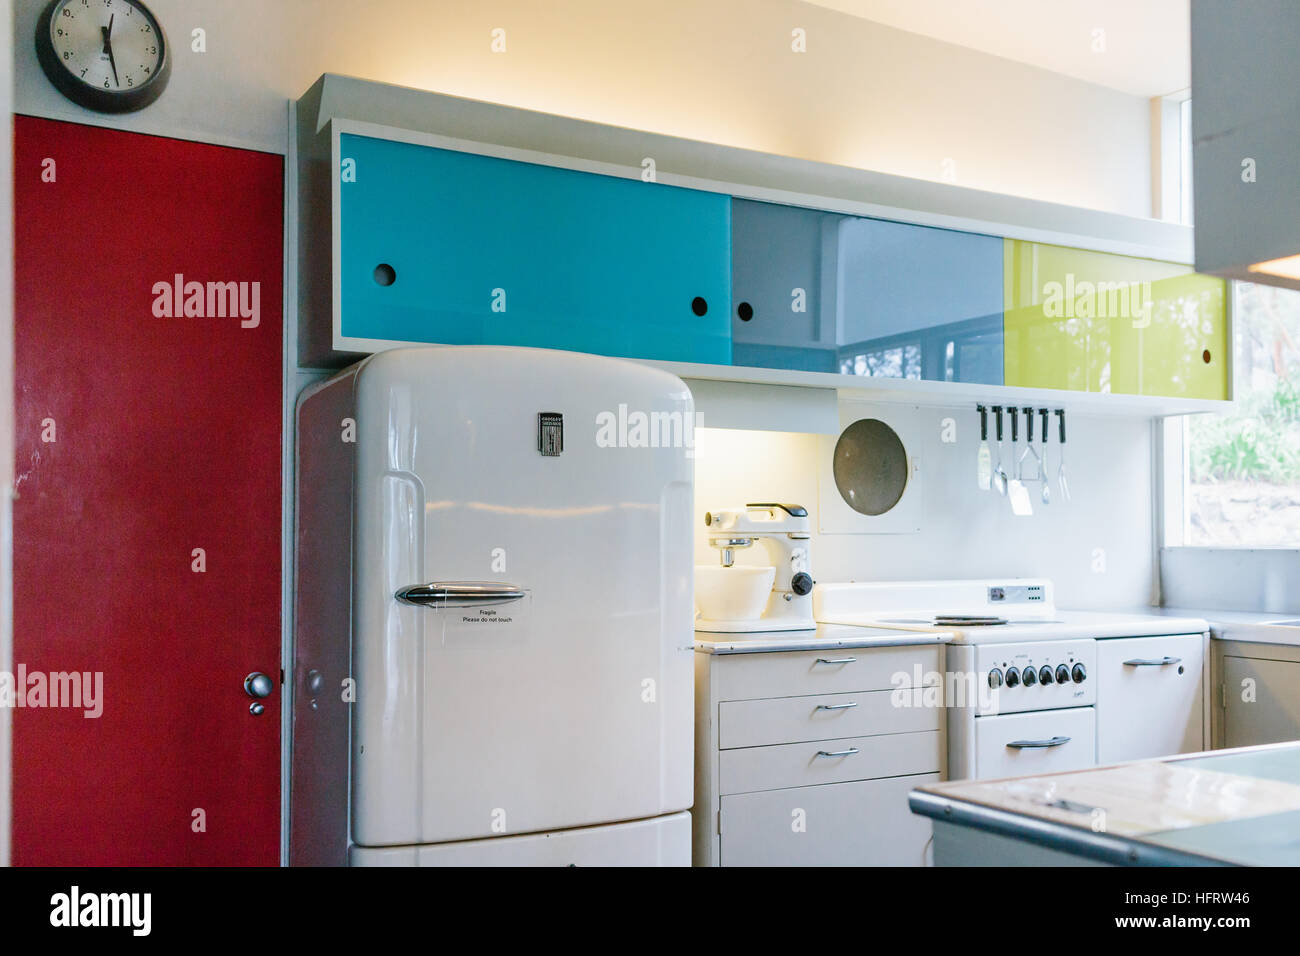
[[83, 45]]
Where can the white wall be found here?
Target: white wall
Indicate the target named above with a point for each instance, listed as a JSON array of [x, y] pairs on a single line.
[[965, 532], [721, 71]]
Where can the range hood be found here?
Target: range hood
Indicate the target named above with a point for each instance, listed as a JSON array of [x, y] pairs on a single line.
[[1245, 128]]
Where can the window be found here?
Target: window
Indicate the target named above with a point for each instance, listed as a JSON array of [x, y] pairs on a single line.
[[1185, 161], [1171, 157], [1238, 482]]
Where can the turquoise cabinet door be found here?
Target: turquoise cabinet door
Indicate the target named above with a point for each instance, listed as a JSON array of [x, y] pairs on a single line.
[[826, 292], [457, 248]]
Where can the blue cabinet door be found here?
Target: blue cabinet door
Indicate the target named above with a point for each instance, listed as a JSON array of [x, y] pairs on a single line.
[[458, 248], [919, 302], [826, 292]]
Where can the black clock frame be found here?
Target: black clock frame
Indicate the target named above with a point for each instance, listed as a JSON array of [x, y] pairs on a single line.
[[92, 97]]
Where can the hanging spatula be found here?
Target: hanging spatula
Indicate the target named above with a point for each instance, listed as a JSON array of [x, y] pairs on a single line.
[[1047, 478], [984, 461], [1016, 490], [1060, 471], [999, 473]]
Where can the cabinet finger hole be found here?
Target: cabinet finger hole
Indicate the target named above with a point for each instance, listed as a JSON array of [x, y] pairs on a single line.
[[745, 311], [699, 306], [385, 274]]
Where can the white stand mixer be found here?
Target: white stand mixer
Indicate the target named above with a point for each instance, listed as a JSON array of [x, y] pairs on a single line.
[[784, 531]]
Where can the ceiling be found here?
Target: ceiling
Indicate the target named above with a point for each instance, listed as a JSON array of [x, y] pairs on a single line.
[[1147, 42]]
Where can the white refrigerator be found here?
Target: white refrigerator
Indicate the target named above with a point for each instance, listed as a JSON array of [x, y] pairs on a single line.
[[493, 612]]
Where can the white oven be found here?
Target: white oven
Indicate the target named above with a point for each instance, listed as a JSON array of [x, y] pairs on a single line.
[[1033, 689], [1021, 708]]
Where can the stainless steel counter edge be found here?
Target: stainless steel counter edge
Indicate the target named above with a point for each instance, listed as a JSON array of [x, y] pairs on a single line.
[[827, 637], [1102, 847], [1253, 627]]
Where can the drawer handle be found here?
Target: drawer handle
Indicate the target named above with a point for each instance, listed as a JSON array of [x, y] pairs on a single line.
[[836, 660], [837, 753], [1033, 744], [835, 706], [1152, 661]]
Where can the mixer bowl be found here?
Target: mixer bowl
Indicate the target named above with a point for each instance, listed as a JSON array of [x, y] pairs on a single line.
[[732, 594]]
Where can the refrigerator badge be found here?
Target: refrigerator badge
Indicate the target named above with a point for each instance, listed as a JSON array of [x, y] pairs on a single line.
[[550, 433]]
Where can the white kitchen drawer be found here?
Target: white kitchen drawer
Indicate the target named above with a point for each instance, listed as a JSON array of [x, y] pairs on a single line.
[[783, 720], [799, 673], [866, 823], [806, 764], [1146, 708], [1002, 743]]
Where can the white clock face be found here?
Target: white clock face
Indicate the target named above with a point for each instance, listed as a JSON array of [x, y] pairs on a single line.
[[111, 45]]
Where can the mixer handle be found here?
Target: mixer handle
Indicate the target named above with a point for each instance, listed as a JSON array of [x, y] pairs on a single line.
[[794, 511]]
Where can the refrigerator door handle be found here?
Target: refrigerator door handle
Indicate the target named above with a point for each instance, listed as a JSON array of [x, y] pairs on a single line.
[[459, 593]]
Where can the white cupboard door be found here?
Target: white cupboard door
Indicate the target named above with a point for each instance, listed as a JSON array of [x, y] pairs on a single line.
[[1261, 701], [1045, 741], [1150, 697], [866, 823]]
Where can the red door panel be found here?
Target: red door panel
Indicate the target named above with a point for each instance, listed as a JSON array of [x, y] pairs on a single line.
[[167, 440]]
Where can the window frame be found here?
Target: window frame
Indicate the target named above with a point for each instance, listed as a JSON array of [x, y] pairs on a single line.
[[1172, 460]]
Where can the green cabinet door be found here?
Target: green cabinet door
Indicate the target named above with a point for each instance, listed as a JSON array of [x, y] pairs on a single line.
[[1098, 322]]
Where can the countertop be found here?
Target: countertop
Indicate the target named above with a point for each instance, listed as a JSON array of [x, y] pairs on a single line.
[[1233, 807], [825, 638], [1250, 626]]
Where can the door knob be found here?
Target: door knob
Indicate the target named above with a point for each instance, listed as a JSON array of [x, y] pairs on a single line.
[[258, 685]]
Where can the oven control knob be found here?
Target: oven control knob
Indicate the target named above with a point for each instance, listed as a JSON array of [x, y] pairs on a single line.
[[801, 583], [1079, 674], [1045, 675], [1029, 676], [1013, 677], [995, 678], [1062, 674]]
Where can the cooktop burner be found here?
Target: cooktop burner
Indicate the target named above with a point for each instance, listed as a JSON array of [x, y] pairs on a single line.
[[951, 620]]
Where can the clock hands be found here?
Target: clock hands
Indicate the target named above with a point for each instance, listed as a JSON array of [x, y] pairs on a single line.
[[108, 47]]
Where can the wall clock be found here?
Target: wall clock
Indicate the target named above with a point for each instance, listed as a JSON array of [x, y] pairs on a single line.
[[106, 55]]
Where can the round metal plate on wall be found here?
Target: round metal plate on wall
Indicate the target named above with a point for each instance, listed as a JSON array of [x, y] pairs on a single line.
[[870, 466]]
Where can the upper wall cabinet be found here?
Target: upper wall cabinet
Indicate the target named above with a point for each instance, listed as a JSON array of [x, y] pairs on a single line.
[[1096, 322], [438, 245], [462, 222], [825, 292]]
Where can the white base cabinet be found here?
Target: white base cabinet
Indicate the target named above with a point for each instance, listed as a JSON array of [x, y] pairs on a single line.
[[840, 824], [1258, 695], [1151, 697], [806, 758]]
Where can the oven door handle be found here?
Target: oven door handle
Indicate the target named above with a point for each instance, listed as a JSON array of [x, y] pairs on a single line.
[[1153, 661], [1036, 744]]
